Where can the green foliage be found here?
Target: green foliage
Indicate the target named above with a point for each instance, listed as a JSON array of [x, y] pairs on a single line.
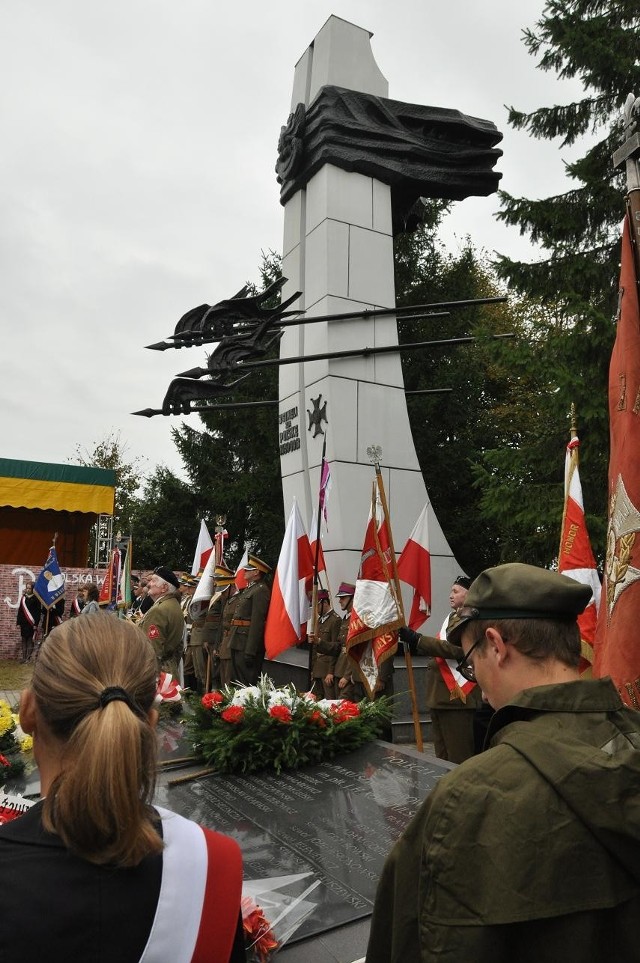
[[260, 727], [111, 452], [573, 289], [451, 431], [165, 522]]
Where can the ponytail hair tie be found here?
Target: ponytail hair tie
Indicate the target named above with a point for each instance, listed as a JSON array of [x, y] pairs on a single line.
[[114, 693]]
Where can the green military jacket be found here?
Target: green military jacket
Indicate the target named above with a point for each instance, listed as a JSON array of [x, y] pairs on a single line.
[[164, 626], [228, 612], [327, 648], [247, 627], [343, 666], [529, 852]]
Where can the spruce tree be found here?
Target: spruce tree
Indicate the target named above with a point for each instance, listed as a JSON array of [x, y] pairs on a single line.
[[572, 287]]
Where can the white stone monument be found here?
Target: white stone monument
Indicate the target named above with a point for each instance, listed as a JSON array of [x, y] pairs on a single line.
[[338, 250]]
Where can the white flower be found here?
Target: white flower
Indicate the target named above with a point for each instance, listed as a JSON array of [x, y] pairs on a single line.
[[279, 698], [242, 696], [324, 705]]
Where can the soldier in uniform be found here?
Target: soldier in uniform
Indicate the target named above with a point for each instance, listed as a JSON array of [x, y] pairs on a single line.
[[163, 624], [230, 602], [452, 709], [212, 629], [188, 585], [530, 850], [247, 626], [347, 684], [29, 611], [326, 648]]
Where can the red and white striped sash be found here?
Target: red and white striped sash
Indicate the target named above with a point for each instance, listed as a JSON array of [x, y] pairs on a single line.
[[199, 903], [458, 686]]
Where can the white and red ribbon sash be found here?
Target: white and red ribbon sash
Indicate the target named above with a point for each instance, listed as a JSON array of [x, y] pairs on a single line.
[[458, 686], [186, 927], [25, 611]]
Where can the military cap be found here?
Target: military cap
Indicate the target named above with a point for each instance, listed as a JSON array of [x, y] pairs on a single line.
[[345, 589], [254, 562], [186, 579], [224, 575], [323, 595], [519, 591], [167, 575], [463, 580]]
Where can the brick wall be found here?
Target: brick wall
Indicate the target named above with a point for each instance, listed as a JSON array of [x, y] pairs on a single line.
[[12, 581]]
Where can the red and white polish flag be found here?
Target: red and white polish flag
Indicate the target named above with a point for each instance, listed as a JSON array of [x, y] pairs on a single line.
[[203, 549], [576, 558], [241, 578], [289, 609], [414, 568]]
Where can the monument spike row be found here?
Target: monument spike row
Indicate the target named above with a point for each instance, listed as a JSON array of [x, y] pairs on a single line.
[[353, 166]]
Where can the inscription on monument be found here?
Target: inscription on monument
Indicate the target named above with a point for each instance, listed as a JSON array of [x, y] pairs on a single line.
[[288, 432], [314, 841]]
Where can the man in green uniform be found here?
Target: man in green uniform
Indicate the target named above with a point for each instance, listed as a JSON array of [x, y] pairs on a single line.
[[326, 647], [163, 624], [348, 685], [213, 625], [530, 851], [246, 640], [452, 701]]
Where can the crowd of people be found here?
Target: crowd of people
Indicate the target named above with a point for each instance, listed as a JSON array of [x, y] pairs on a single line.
[[527, 850]]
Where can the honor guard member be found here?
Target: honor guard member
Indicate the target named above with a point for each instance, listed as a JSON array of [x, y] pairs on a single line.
[[188, 585], [247, 626], [452, 700], [224, 578], [197, 615], [230, 601], [163, 624], [326, 648], [347, 684], [29, 611], [530, 851]]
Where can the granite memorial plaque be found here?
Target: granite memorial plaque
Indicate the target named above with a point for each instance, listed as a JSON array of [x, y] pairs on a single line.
[[314, 840]]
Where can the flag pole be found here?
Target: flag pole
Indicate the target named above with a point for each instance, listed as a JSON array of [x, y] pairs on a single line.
[[574, 434], [316, 562], [377, 452]]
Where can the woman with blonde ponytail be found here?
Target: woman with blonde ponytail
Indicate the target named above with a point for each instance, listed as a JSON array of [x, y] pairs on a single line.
[[96, 872]]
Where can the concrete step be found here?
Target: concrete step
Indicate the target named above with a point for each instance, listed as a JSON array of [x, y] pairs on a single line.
[[403, 731]]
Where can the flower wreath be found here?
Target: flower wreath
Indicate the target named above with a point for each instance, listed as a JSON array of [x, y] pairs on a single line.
[[244, 729]]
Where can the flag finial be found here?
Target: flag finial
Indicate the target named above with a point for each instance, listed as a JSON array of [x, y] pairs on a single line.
[[574, 420], [374, 454]]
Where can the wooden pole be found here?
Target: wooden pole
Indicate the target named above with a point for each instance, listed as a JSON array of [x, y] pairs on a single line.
[[407, 655]]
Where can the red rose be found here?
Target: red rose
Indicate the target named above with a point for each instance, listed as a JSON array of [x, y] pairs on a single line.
[[232, 714], [347, 709], [281, 713], [4, 761], [318, 718], [212, 699], [344, 711]]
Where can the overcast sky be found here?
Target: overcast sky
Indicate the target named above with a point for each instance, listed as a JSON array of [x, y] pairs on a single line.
[[136, 179]]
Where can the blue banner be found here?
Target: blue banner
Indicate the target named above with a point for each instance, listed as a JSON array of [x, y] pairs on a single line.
[[49, 586]]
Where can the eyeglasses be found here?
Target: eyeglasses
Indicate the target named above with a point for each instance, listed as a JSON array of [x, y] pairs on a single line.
[[465, 666]]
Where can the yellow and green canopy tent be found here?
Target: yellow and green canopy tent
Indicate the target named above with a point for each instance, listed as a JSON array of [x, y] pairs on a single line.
[[38, 499]]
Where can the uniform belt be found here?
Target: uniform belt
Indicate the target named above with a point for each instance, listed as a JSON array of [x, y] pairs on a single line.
[[213, 619], [244, 622]]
